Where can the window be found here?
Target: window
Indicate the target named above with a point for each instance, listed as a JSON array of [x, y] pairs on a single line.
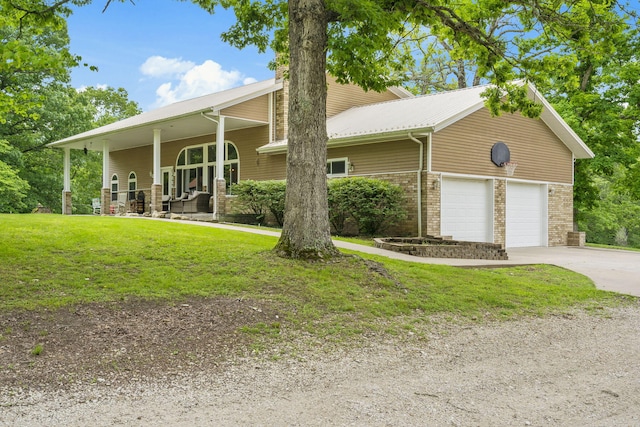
[[133, 181], [114, 188], [337, 167], [194, 169], [189, 170], [230, 173]]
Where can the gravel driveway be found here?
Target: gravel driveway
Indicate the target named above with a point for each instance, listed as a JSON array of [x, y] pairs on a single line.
[[578, 369]]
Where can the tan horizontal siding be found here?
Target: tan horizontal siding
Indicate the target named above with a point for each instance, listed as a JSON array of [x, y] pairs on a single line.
[[395, 156], [252, 165], [254, 109], [465, 147], [342, 97], [138, 160]]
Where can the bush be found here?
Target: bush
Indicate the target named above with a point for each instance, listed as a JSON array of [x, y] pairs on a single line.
[[262, 197], [372, 203]]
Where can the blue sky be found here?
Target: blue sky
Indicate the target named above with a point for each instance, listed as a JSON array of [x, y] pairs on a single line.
[[160, 51]]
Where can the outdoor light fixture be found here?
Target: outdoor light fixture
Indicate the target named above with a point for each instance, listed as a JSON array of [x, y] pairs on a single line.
[[85, 150], [352, 167]]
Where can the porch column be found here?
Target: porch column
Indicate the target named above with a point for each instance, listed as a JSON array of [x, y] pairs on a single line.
[[67, 208], [156, 187], [105, 200], [219, 196], [220, 148]]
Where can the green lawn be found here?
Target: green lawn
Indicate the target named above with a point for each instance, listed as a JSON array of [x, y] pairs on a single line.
[[54, 261]]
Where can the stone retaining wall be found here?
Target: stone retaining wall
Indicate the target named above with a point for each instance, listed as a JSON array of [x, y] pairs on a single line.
[[437, 247]]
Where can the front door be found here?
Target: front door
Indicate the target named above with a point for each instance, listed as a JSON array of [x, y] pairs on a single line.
[[167, 184]]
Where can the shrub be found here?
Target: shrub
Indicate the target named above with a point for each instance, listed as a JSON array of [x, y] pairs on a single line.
[[374, 204], [261, 197]]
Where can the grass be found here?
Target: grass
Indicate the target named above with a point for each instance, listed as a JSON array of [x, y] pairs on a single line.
[[622, 248], [360, 240], [53, 261]]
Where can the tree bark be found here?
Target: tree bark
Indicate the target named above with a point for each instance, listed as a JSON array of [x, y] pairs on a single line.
[[306, 230]]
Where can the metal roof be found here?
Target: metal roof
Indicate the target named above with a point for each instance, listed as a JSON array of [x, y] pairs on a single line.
[[385, 121], [179, 120], [393, 120]]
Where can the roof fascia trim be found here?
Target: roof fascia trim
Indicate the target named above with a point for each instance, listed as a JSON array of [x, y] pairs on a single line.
[[349, 141], [559, 127]]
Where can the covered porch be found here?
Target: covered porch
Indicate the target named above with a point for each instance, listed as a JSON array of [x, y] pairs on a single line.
[[156, 183]]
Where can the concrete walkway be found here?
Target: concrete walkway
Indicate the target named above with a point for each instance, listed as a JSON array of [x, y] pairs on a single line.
[[610, 269]]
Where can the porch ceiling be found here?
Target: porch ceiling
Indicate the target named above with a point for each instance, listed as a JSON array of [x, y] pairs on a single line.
[[172, 129]]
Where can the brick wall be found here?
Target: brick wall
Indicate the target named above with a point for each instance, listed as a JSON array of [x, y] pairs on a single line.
[[500, 211], [560, 213], [154, 200], [409, 183], [67, 207], [432, 184]]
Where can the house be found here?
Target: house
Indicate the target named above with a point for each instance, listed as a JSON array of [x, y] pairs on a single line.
[[454, 160]]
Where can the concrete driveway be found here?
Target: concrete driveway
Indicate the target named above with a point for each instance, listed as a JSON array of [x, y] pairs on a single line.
[[610, 269]]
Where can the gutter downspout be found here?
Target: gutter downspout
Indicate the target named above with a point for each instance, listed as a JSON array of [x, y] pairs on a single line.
[[420, 169], [215, 187]]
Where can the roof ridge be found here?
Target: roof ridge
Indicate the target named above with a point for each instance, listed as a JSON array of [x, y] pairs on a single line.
[[416, 97]]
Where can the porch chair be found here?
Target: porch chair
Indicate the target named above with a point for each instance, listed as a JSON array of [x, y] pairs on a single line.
[[122, 203], [96, 205]]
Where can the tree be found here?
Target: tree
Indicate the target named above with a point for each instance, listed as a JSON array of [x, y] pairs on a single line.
[[37, 106], [360, 38]]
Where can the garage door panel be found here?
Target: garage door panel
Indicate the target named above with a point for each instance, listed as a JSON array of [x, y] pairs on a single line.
[[467, 210], [526, 215]]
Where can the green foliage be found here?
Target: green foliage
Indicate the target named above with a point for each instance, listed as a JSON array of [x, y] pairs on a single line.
[[37, 106], [37, 350], [13, 189], [372, 203], [34, 48], [614, 218], [262, 197]]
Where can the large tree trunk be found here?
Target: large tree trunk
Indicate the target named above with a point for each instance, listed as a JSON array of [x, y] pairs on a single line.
[[306, 230]]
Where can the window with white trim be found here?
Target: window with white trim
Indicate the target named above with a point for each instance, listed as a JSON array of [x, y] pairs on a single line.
[[196, 165], [189, 170], [133, 184], [337, 167], [231, 165], [114, 188]]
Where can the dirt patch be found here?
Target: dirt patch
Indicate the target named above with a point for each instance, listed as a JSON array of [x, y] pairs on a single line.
[[185, 365], [123, 341]]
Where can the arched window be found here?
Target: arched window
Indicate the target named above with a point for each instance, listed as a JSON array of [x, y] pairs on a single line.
[[189, 170], [114, 188], [196, 166], [231, 165], [133, 181]]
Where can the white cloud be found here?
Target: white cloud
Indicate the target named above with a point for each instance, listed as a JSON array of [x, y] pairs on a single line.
[[189, 80], [159, 66]]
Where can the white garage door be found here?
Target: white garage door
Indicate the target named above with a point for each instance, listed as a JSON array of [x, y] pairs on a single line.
[[526, 215], [467, 209]]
